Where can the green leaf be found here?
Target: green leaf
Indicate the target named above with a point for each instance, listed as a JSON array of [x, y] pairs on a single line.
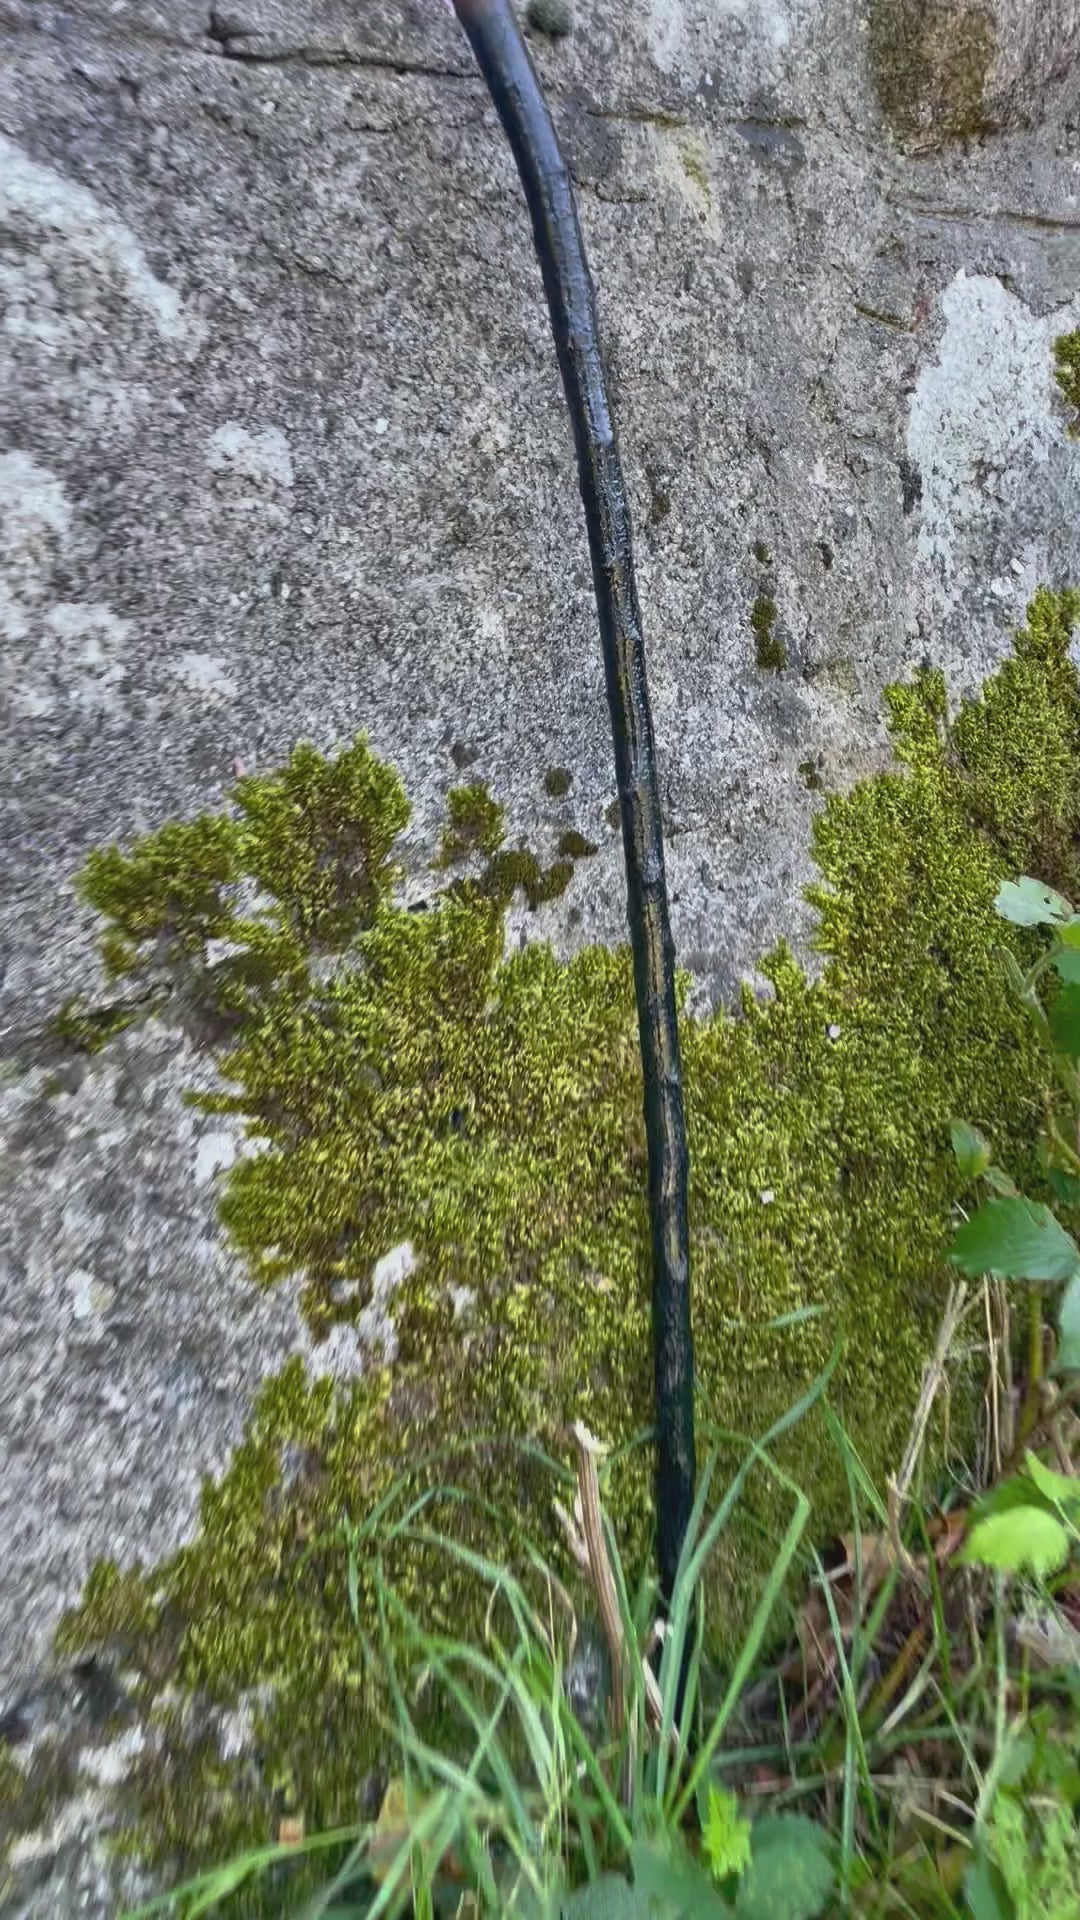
[[971, 1150], [1016, 1758], [725, 1835], [1067, 962], [1068, 1348], [674, 1883], [1016, 1491], [985, 1891], [1064, 1018], [790, 1876], [1066, 1186], [1017, 1238], [609, 1898], [1058, 1487], [1069, 934], [1023, 1537], [999, 1182], [1028, 903]]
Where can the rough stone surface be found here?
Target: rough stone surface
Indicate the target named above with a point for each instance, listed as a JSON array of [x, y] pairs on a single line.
[[282, 454]]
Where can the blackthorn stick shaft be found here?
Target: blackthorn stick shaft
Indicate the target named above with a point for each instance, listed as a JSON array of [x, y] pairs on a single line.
[[503, 58]]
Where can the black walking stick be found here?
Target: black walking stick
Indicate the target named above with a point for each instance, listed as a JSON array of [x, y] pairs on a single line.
[[504, 61]]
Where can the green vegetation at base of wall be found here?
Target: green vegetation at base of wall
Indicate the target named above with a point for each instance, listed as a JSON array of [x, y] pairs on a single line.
[[404, 1081], [1067, 373]]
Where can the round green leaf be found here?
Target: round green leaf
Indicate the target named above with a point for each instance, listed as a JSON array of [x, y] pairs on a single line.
[[1058, 1487], [1023, 1537], [1028, 903], [1064, 1018], [1017, 1238], [790, 1876], [1067, 962]]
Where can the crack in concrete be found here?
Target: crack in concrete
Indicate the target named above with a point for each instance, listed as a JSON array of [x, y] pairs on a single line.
[[219, 44], [1009, 216], [228, 44]]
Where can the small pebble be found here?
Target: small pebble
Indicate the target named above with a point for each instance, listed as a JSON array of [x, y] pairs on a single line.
[[833, 1032]]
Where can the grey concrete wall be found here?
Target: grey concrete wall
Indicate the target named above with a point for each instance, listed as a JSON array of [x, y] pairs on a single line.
[[282, 454]]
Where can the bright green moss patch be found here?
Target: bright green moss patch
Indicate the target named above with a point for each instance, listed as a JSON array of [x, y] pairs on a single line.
[[487, 1110], [171, 889], [1067, 370], [315, 837]]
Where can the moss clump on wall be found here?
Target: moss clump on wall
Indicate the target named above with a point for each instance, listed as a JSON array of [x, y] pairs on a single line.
[[770, 652], [575, 846], [930, 62], [558, 781], [87, 1028], [474, 824], [1067, 372], [488, 1111]]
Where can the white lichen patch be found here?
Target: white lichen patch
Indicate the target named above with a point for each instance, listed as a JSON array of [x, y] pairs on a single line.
[[80, 245], [214, 1154], [35, 520], [90, 1297], [205, 673], [984, 413], [258, 455]]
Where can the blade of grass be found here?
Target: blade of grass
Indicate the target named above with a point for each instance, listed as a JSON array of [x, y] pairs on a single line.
[[253, 1862], [747, 1654]]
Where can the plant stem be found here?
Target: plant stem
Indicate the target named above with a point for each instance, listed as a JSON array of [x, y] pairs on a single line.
[[1030, 1411], [496, 41]]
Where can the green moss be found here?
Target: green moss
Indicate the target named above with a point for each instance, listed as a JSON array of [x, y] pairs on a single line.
[[693, 157], [88, 1028], [30, 1795], [316, 836], [516, 869], [575, 846], [488, 1111], [769, 649], [171, 889], [474, 824], [810, 775], [930, 61], [1067, 371], [613, 815], [761, 553], [558, 781]]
